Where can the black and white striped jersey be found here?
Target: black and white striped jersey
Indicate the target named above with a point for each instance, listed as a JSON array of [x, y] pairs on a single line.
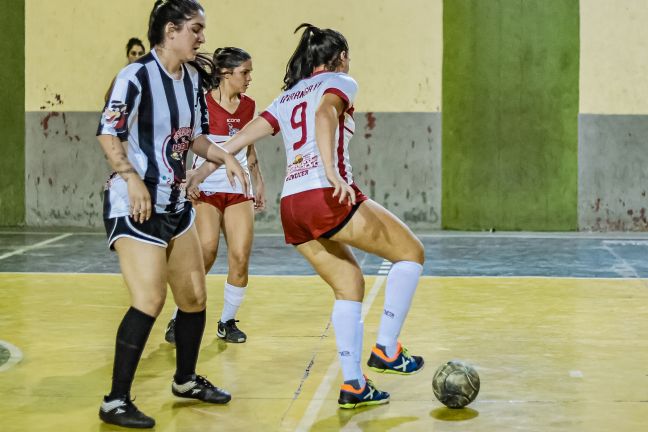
[[159, 117]]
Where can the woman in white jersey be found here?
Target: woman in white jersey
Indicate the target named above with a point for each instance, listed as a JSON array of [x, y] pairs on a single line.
[[324, 213], [221, 205], [157, 112]]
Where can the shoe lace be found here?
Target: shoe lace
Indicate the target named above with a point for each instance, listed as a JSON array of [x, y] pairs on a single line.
[[406, 353], [127, 402], [204, 382], [369, 382], [232, 324]]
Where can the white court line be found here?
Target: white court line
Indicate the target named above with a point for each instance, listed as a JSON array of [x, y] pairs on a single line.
[[537, 235], [438, 234], [102, 233], [626, 265], [325, 386], [314, 275], [34, 246], [626, 242]]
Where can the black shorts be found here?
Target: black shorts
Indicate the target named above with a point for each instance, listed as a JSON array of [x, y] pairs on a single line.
[[159, 230]]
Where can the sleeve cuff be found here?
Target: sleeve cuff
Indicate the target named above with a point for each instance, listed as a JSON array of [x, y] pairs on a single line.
[[339, 93], [272, 120]]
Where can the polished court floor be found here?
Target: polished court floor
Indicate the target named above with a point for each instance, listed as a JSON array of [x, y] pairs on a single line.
[[555, 324]]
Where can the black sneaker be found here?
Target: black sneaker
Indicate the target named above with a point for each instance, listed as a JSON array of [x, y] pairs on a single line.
[[122, 412], [201, 389], [169, 334], [229, 332]]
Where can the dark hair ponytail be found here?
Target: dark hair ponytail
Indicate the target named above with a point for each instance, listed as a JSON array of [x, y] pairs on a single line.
[[178, 12], [225, 59], [205, 68], [133, 42], [316, 47]]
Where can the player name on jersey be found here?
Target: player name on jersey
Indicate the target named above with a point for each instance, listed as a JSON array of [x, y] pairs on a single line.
[[300, 93]]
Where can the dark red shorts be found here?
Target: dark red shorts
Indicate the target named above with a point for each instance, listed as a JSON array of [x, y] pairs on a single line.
[[222, 200], [315, 213]]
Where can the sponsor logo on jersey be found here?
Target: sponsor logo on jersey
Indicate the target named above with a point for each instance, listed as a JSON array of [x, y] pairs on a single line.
[[179, 143], [231, 129], [301, 165]]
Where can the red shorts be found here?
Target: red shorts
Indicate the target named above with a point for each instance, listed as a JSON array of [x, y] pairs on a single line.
[[222, 200], [315, 213]]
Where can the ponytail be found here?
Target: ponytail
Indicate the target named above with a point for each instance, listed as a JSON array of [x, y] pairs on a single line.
[[205, 68], [316, 47]]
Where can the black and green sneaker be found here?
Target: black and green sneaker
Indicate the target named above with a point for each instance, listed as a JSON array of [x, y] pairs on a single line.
[[352, 397], [402, 363]]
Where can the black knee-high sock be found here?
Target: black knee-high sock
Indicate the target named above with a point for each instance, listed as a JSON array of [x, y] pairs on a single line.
[[189, 330], [132, 334]]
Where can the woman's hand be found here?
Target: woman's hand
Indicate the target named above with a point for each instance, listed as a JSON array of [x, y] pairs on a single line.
[[259, 198], [193, 179], [342, 188], [234, 171], [139, 199]]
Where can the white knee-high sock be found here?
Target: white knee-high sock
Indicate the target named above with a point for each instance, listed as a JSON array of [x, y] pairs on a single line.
[[401, 286], [233, 297], [358, 337], [346, 319]]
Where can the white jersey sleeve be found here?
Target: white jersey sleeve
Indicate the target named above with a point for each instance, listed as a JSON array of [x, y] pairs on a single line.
[[271, 115], [343, 86], [123, 101]]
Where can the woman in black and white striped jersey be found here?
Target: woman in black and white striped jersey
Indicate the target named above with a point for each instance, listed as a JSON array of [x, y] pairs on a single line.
[[157, 111]]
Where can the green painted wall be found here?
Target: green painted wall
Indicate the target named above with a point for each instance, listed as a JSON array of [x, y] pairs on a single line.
[[12, 112], [510, 114]]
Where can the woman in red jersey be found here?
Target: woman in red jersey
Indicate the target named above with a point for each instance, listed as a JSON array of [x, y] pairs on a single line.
[[221, 205]]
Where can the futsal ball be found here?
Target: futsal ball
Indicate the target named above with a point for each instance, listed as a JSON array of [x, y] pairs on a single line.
[[455, 384]]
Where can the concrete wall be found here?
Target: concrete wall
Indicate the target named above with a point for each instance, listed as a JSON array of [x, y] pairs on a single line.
[[66, 171], [12, 108], [613, 174], [613, 124], [396, 152]]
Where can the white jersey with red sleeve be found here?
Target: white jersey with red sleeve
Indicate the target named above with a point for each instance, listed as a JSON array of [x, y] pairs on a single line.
[[293, 113], [223, 125]]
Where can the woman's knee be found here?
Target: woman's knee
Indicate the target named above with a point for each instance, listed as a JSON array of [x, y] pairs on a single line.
[[410, 249], [351, 289], [418, 251], [150, 304], [195, 302], [209, 255], [238, 263]]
